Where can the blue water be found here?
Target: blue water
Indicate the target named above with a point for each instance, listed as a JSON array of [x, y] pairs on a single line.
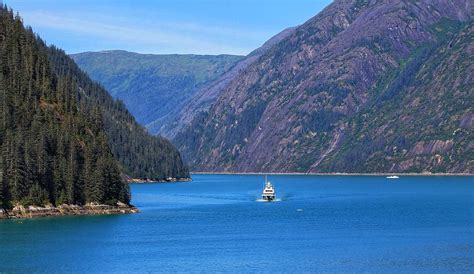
[[215, 224]]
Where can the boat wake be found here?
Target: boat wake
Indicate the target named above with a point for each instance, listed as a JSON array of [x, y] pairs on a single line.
[[265, 201]]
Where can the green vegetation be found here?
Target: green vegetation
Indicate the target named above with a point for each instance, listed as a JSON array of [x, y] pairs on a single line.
[[52, 150], [153, 87], [63, 139], [140, 154]]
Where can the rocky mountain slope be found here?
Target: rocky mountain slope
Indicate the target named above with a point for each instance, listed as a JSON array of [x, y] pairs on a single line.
[[364, 86], [153, 87], [208, 94]]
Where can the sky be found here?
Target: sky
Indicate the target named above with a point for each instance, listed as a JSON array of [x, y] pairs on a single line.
[[163, 26]]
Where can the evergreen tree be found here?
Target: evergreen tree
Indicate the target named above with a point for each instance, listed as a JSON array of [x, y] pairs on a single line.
[[51, 151], [139, 154], [63, 139]]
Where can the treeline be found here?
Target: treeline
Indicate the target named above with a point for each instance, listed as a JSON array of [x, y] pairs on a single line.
[[140, 154], [53, 148]]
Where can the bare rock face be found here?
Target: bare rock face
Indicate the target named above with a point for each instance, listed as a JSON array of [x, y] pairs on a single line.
[[467, 121], [355, 89], [432, 147]]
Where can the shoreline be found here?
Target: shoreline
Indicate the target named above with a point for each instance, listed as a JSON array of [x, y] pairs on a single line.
[[168, 180], [333, 174], [30, 212]]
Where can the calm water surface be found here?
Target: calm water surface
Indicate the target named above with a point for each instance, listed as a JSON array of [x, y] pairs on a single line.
[[322, 224]]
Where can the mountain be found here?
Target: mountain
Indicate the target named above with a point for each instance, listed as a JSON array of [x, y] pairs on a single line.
[[140, 154], [208, 94], [53, 150], [153, 87], [165, 92], [364, 86], [63, 138]]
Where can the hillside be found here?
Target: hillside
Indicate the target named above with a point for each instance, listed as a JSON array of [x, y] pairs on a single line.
[[432, 116], [205, 96], [53, 151], [140, 154], [364, 86], [153, 87]]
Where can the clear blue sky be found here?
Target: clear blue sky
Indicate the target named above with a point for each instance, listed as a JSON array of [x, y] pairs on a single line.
[[163, 26]]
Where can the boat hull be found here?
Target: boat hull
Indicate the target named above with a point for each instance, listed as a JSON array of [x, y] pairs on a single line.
[[268, 198]]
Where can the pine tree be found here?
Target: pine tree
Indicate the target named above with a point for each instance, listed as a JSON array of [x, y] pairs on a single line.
[[61, 135]]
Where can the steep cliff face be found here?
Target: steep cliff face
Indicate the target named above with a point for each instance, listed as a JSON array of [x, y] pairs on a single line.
[[322, 98]]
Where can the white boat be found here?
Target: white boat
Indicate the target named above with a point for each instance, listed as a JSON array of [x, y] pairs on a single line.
[[392, 177], [268, 193]]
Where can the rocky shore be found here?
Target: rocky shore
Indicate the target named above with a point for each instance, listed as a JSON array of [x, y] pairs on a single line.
[[22, 212], [167, 180]]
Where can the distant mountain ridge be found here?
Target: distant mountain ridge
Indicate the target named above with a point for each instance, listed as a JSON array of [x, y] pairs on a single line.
[[154, 87], [166, 91], [364, 86], [208, 94]]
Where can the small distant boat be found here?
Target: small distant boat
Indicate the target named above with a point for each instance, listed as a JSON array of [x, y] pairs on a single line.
[[392, 177], [268, 193]]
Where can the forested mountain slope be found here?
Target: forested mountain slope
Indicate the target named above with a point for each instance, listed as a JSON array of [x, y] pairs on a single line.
[[153, 87], [53, 150], [99, 128], [141, 155], [364, 86]]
